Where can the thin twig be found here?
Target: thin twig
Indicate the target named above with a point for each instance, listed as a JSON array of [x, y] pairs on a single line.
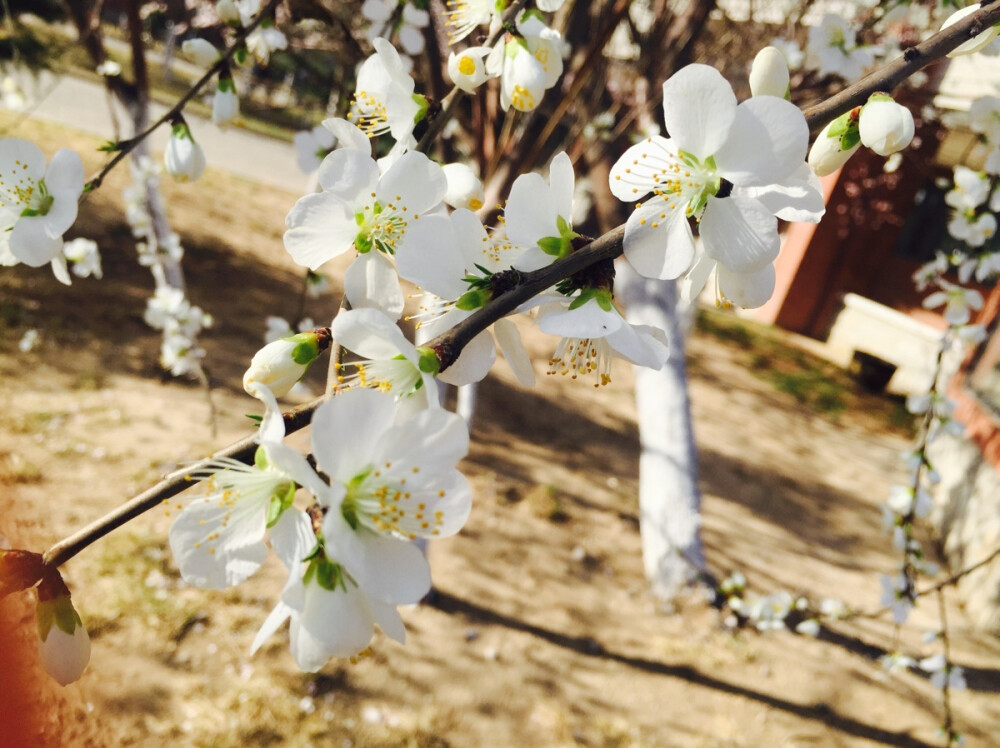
[[913, 59], [129, 145], [436, 125], [949, 720]]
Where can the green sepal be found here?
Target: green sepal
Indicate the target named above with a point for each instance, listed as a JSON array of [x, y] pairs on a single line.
[[307, 348], [604, 299], [850, 139], [362, 243], [57, 612], [500, 5], [879, 96], [474, 299], [429, 363], [241, 54], [227, 84], [424, 106], [533, 13], [281, 500], [553, 245], [254, 417], [841, 125], [109, 146], [586, 294], [260, 456], [181, 130]]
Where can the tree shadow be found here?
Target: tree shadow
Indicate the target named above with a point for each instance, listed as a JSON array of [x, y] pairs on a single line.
[[587, 646]]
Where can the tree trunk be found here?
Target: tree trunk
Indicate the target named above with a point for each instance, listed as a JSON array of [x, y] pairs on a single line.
[[669, 498]]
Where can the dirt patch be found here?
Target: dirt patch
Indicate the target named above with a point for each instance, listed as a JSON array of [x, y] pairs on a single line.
[[541, 631]]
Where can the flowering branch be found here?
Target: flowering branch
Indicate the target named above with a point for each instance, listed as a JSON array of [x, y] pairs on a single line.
[[123, 148], [451, 98], [913, 59]]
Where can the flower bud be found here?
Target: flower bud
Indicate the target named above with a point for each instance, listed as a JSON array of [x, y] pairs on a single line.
[[226, 103], [835, 145], [464, 188], [769, 74], [467, 69], [281, 364], [63, 641], [228, 12], [183, 158], [975, 44], [885, 126], [201, 51]]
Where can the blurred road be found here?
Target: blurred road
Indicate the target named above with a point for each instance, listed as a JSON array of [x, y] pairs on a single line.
[[83, 104]]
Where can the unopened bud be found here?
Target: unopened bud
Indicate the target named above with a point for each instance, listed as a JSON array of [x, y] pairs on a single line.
[[201, 51], [885, 126], [63, 641], [226, 103], [465, 190], [769, 74], [835, 145], [183, 158], [228, 12], [467, 69], [281, 364]]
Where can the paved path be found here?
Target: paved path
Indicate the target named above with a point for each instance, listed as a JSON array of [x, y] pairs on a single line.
[[83, 104]]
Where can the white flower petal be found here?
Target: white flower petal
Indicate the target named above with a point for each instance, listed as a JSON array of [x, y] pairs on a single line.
[[473, 363], [530, 213], [641, 168], [429, 256], [698, 108], [371, 283], [748, 290], [413, 181], [658, 241], [768, 141], [234, 555], [348, 173], [320, 227], [509, 339], [740, 233], [347, 430]]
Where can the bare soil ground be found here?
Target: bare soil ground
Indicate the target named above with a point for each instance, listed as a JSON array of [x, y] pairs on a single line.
[[541, 632]]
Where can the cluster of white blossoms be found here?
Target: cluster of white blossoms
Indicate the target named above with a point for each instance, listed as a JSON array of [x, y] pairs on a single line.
[[168, 309], [528, 62], [732, 168], [833, 49], [385, 475]]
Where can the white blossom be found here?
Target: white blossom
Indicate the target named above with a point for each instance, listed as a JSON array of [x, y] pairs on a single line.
[[64, 644], [37, 204]]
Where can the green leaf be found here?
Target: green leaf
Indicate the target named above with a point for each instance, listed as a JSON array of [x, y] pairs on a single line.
[[429, 363], [109, 146], [424, 106], [553, 245], [585, 295], [473, 299]]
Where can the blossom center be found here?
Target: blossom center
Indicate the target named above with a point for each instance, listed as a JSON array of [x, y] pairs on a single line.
[[582, 356], [396, 376], [380, 500], [382, 226], [369, 114]]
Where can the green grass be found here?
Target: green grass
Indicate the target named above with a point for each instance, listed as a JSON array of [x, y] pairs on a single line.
[[814, 383]]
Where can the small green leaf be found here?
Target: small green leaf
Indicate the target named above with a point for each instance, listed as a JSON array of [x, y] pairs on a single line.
[[429, 363], [585, 295], [552, 245], [423, 104], [109, 146]]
